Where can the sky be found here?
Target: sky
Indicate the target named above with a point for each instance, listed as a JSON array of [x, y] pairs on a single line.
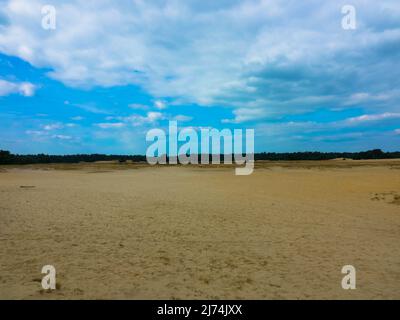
[[112, 70]]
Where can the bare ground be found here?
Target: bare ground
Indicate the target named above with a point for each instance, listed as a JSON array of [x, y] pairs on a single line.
[[200, 232]]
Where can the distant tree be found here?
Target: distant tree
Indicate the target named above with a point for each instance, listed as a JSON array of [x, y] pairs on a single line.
[[5, 156]]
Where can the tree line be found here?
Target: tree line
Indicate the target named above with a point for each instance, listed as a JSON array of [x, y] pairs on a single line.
[[364, 155], [8, 158]]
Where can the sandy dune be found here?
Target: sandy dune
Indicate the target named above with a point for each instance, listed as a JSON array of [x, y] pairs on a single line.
[[191, 232]]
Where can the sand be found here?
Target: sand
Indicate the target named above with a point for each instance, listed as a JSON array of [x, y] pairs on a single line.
[[199, 232]]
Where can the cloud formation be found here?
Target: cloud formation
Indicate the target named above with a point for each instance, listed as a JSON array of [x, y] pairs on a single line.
[[110, 125], [374, 117], [278, 56], [25, 89]]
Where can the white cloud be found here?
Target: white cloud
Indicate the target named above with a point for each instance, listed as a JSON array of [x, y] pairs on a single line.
[[61, 137], [160, 104], [138, 120], [25, 89], [362, 97], [77, 118], [138, 106], [110, 125], [228, 53], [53, 126], [245, 114], [35, 133], [374, 117], [182, 118], [91, 108], [154, 116], [134, 120], [397, 131]]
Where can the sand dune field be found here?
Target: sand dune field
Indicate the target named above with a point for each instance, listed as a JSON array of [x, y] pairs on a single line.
[[116, 231]]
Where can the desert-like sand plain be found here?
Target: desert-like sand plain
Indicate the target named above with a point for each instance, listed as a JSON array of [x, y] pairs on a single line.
[[129, 231]]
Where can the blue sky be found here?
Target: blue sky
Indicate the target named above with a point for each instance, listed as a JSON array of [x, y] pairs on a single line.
[[111, 71]]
